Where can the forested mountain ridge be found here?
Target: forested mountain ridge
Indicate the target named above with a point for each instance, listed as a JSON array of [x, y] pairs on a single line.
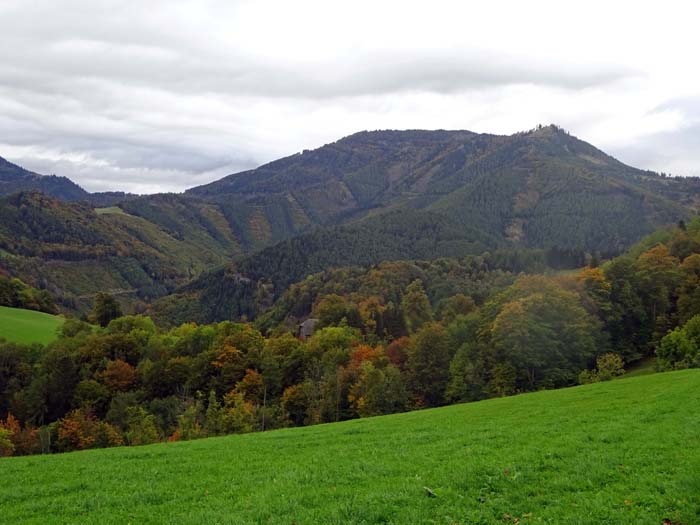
[[538, 188], [74, 251], [14, 179], [516, 187], [369, 197], [249, 285]]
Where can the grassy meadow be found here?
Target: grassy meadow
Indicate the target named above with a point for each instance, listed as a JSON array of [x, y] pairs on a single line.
[[619, 452], [27, 326], [109, 210]]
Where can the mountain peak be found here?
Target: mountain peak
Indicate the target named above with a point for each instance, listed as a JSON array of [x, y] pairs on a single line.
[[549, 129]]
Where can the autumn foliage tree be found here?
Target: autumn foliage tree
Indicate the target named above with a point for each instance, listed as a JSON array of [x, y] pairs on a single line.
[[118, 376], [429, 364], [80, 430], [416, 306], [544, 332], [106, 308]]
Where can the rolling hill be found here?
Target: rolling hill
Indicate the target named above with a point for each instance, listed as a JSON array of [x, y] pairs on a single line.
[[259, 282], [623, 452]]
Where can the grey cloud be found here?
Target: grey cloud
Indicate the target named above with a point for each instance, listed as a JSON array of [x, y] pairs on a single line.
[[362, 75], [677, 151], [77, 40], [132, 94], [134, 180]]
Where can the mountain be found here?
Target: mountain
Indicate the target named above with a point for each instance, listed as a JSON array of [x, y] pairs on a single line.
[[369, 197], [538, 188], [520, 188], [74, 250], [399, 195], [14, 179]]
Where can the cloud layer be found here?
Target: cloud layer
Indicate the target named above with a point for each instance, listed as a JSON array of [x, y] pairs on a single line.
[[161, 96]]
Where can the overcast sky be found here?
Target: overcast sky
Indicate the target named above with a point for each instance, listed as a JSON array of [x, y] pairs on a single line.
[[150, 96]]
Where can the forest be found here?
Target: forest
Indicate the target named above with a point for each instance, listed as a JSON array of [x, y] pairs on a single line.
[[17, 294], [227, 249], [388, 338]]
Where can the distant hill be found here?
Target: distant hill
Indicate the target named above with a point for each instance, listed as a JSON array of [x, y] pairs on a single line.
[[250, 284], [74, 251], [14, 179], [539, 188]]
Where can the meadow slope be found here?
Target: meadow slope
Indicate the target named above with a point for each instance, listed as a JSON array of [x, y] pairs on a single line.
[[18, 325], [625, 451]]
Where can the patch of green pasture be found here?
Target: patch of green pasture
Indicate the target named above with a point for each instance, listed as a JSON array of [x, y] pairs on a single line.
[[27, 326], [619, 452], [110, 210]]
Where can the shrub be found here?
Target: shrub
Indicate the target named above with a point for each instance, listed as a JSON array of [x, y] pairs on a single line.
[[610, 365]]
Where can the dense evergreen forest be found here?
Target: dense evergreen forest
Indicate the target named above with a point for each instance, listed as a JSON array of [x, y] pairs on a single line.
[[248, 286], [388, 338]]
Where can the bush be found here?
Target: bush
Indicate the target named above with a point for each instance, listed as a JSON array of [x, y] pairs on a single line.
[[608, 366], [680, 347], [7, 448]]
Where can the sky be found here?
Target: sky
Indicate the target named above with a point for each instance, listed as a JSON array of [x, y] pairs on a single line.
[[161, 96]]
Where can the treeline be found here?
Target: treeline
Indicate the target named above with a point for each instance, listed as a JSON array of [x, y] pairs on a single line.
[[253, 285], [16, 294], [384, 342], [130, 383]]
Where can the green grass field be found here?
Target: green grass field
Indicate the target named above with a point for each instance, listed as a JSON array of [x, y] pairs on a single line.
[[620, 452], [110, 210], [27, 326]]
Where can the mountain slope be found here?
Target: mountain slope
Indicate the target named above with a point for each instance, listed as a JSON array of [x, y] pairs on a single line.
[[623, 451], [14, 179], [369, 197], [74, 252], [540, 188], [432, 194], [249, 285]]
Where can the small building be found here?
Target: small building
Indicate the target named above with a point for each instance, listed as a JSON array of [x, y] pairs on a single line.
[[306, 329]]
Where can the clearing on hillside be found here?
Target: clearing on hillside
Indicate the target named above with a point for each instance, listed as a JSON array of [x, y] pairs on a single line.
[[27, 326], [624, 451], [113, 210]]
